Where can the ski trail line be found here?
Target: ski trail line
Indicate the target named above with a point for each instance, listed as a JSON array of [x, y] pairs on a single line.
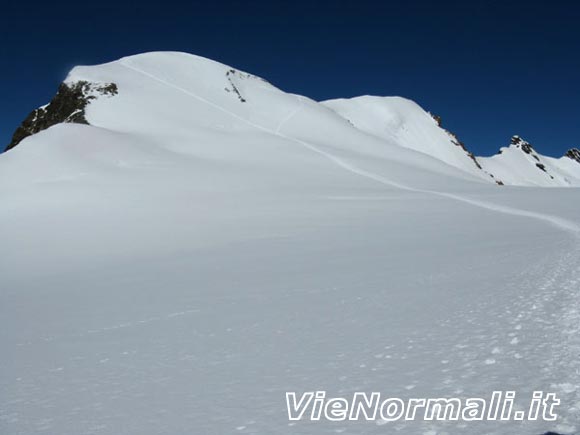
[[289, 117], [556, 221]]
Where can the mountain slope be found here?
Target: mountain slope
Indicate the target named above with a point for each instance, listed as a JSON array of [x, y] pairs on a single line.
[[206, 243], [405, 123], [181, 103], [520, 164], [179, 98]]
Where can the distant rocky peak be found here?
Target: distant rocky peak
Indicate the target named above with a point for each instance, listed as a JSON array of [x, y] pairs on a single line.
[[574, 154], [527, 148], [524, 145], [520, 142], [516, 140], [68, 105]]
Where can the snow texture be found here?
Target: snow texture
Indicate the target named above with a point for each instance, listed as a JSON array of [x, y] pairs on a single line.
[[210, 242]]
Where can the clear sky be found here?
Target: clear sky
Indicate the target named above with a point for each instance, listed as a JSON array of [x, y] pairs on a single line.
[[490, 69]]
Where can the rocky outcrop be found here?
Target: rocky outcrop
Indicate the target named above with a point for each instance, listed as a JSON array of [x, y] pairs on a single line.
[[229, 75], [458, 143], [525, 146], [68, 105], [573, 154], [455, 140], [437, 119]]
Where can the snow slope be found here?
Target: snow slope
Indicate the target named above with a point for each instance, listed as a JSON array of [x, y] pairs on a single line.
[[407, 124], [520, 165], [179, 264], [404, 122]]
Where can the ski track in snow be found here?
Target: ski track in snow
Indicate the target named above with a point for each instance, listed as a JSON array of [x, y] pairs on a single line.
[[545, 299], [105, 329], [564, 224], [530, 340]]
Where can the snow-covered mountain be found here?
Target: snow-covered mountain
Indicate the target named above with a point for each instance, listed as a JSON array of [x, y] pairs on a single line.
[[181, 243], [520, 164], [405, 123], [377, 122]]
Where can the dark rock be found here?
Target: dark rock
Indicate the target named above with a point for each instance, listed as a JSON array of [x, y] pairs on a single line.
[[574, 154], [455, 140], [437, 119], [68, 105], [458, 143], [515, 140], [233, 72], [525, 146]]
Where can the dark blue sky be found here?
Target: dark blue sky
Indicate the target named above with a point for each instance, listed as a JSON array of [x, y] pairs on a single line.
[[489, 68]]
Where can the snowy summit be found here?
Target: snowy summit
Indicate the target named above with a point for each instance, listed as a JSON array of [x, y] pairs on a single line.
[[162, 93]]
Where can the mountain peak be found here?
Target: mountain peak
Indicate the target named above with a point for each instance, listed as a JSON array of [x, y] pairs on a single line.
[[182, 102], [522, 144]]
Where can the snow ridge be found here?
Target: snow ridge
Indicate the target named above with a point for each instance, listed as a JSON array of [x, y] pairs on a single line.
[[564, 224]]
